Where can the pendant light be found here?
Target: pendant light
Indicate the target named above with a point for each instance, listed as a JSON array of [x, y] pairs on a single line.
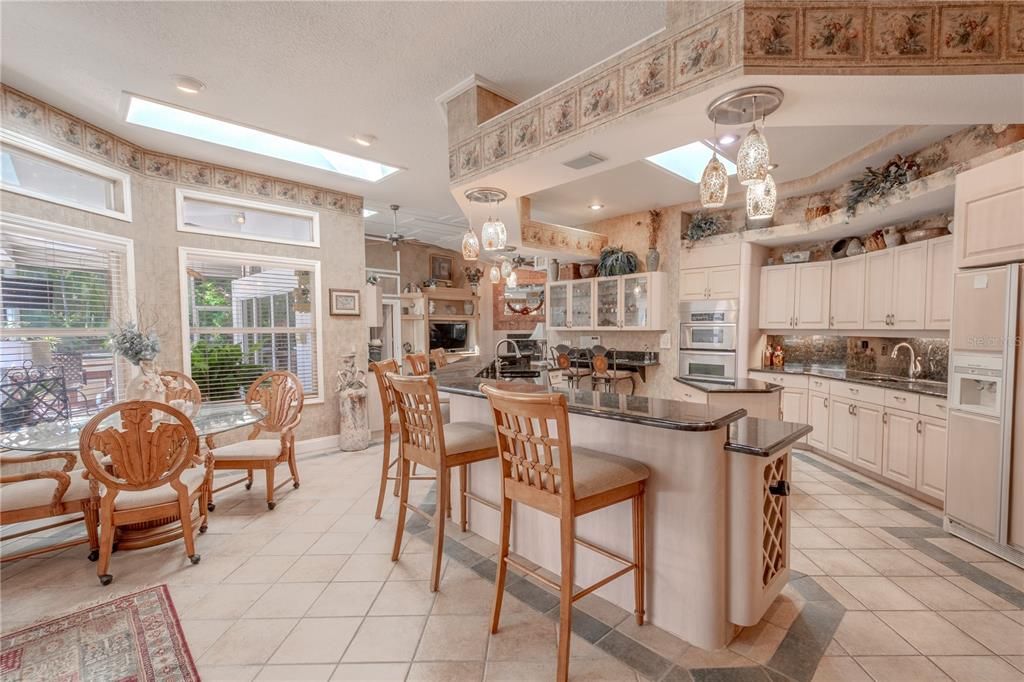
[[470, 245], [714, 182], [761, 199], [752, 159], [495, 274], [493, 235], [506, 268], [512, 280]]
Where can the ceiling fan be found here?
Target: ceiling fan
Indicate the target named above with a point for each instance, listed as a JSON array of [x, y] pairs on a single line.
[[394, 236]]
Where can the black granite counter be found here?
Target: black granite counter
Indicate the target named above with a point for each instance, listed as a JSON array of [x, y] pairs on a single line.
[[733, 386], [461, 379], [924, 387], [763, 437]]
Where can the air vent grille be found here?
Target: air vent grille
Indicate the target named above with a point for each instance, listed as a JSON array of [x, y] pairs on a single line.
[[585, 161]]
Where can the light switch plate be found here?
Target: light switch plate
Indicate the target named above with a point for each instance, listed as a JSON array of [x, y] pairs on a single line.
[[665, 343]]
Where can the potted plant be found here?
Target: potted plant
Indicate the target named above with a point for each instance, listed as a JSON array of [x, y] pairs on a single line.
[[140, 348], [617, 261]]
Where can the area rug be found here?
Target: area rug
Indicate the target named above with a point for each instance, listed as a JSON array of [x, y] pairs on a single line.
[[134, 638]]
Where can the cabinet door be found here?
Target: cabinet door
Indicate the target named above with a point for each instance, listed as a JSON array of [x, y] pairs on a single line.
[[558, 305], [973, 471], [987, 213], [938, 307], [908, 290], [846, 309], [931, 456], [724, 282], [609, 295], [817, 417], [900, 447], [794, 405], [582, 304], [878, 267], [841, 428], [693, 284], [637, 299], [776, 310], [868, 437], [812, 295]]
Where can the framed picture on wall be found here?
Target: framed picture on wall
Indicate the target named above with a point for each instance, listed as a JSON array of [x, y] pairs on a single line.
[[344, 301], [442, 267]]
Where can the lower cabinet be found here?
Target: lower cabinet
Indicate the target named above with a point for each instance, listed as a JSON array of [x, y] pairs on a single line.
[[931, 460], [867, 447], [794, 406], [841, 428], [900, 447], [817, 417]]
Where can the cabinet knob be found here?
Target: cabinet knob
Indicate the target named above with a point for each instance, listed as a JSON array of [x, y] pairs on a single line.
[[831, 320], [854, 411], [919, 426], [826, 402], [885, 417], [779, 488]]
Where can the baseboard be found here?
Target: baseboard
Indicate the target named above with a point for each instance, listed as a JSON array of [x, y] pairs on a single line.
[[317, 446]]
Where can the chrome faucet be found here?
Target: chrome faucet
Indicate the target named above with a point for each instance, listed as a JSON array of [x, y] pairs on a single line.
[[915, 363], [515, 345]]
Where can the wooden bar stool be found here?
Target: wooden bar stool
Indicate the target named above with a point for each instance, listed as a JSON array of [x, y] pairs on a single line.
[[439, 358], [418, 363], [604, 372], [426, 440], [541, 469]]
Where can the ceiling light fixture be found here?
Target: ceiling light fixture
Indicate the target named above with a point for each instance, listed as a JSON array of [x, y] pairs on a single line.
[[240, 218], [470, 245], [364, 140], [596, 207], [495, 274], [714, 182], [394, 236], [188, 84], [772, 166], [745, 106], [727, 139], [512, 280], [493, 235], [761, 199], [506, 268]]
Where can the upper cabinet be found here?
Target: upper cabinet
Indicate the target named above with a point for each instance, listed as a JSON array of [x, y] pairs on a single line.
[[778, 282], [715, 283], [938, 307], [634, 302], [847, 294], [795, 296], [988, 208], [894, 290]]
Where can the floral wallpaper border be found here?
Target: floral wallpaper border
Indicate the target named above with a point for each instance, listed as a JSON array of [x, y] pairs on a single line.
[[763, 36], [28, 114]]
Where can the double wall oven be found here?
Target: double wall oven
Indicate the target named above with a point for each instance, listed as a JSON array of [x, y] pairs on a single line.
[[707, 339]]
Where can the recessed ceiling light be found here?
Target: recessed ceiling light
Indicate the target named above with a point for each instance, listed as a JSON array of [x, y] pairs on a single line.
[[727, 139], [772, 166], [159, 116], [596, 207], [364, 140], [189, 84], [367, 212], [689, 161]]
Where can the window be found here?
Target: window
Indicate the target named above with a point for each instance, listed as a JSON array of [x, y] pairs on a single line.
[[38, 170], [62, 290], [689, 160], [228, 217], [245, 314]]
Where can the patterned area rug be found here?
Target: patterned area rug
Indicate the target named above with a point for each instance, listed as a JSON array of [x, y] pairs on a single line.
[[136, 637]]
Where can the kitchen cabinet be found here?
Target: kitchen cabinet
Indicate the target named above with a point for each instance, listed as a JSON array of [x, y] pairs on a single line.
[[778, 283], [841, 428], [878, 268], [846, 299], [972, 483], [938, 310], [608, 297], [581, 304], [867, 446], [894, 287], [811, 302], [697, 284], [987, 213], [900, 446], [794, 406], [637, 302], [817, 417], [633, 302], [557, 301], [931, 460]]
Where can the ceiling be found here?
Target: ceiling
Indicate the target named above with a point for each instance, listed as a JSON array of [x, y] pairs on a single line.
[[319, 72]]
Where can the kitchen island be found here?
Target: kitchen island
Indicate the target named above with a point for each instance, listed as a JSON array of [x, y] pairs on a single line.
[[759, 398], [717, 511]]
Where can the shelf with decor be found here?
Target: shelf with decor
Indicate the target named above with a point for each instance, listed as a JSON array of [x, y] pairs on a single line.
[[440, 314]]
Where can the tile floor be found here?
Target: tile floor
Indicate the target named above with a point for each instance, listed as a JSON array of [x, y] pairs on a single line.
[[308, 592]]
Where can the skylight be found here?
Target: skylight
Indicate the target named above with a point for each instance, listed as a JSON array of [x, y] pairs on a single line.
[[688, 161], [367, 212], [170, 119]]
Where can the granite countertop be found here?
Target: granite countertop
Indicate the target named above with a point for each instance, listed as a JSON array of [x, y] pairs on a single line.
[[734, 386], [678, 415], [922, 386], [763, 437]]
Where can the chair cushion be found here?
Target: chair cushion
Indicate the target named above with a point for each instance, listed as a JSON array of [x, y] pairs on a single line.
[[260, 448], [594, 471], [39, 492], [130, 499], [468, 436], [614, 374]]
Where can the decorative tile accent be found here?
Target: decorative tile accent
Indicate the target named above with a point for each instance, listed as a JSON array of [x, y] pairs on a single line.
[[195, 173], [227, 179], [1015, 31], [259, 185], [771, 32], [834, 34], [160, 166], [969, 31], [469, 157], [599, 98], [646, 78], [129, 156], [704, 52], [902, 32], [23, 110], [560, 237], [99, 143], [526, 131], [560, 115], [336, 201], [64, 129], [354, 204], [287, 191], [496, 147], [453, 164], [312, 196]]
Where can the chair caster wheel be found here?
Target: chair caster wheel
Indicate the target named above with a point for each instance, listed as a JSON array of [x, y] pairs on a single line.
[[94, 555], [210, 507], [295, 485], [248, 486], [195, 558], [202, 528], [106, 579], [271, 505]]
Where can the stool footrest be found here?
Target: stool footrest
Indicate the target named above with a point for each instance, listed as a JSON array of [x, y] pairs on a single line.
[[486, 503]]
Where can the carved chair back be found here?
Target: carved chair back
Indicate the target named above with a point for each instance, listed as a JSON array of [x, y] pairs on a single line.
[[419, 416], [179, 386], [419, 363], [439, 357], [387, 393], [280, 395]]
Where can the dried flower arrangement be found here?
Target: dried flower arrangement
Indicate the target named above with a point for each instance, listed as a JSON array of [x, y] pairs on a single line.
[[654, 228], [703, 225], [134, 344], [875, 183]]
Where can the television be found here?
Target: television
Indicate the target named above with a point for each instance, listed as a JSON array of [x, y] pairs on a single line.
[[449, 335]]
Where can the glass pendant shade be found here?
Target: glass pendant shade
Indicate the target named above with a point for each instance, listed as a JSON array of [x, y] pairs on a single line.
[[506, 268], [512, 280], [493, 235], [761, 199], [714, 184], [470, 245], [752, 159], [494, 274]]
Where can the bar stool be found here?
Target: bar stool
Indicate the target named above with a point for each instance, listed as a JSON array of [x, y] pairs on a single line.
[[438, 357], [541, 469], [563, 357], [426, 440], [418, 363], [604, 372]]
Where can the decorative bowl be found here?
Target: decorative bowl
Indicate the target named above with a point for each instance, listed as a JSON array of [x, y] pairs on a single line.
[[917, 235]]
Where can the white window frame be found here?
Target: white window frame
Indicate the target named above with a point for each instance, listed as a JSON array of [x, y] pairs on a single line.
[[185, 252], [181, 194], [121, 179]]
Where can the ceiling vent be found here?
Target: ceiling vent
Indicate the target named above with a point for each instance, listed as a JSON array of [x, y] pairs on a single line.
[[585, 161]]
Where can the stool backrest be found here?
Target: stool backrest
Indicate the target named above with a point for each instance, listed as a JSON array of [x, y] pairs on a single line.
[[439, 357], [387, 392], [280, 395], [418, 363], [179, 386], [534, 447], [419, 418]]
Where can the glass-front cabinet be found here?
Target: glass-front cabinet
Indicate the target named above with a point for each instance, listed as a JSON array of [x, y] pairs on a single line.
[[608, 307], [636, 301], [624, 302], [581, 303], [558, 305]]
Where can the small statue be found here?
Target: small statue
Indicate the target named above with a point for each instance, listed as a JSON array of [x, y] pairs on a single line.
[[353, 431]]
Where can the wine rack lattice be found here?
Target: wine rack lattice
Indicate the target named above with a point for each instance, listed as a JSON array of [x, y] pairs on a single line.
[[773, 532]]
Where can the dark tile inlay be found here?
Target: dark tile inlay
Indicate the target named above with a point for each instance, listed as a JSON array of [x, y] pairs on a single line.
[[677, 674], [751, 674], [810, 590], [584, 625], [537, 597], [804, 644], [972, 573], [635, 655]]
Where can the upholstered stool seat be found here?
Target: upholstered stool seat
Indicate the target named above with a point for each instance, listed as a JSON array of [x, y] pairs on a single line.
[[39, 492], [462, 437], [263, 448], [595, 472]]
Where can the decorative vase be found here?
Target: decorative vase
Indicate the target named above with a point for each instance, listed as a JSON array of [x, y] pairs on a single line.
[[653, 260], [353, 431], [146, 385], [553, 270]]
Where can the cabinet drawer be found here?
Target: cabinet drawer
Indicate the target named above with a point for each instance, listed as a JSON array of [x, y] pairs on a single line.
[[901, 400], [868, 394], [933, 406], [818, 384], [781, 378]]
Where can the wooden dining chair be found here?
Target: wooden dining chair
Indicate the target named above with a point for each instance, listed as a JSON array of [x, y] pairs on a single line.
[[145, 467], [439, 357], [280, 395], [541, 469], [426, 440], [419, 364], [604, 374], [180, 386]]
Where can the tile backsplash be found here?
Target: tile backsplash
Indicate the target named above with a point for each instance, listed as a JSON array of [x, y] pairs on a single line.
[[866, 353]]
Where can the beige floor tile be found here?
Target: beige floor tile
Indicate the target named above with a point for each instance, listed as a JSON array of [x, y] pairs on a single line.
[[517, 671], [445, 671], [783, 611], [838, 593], [1016, 661], [228, 673], [888, 538], [798, 561], [892, 562], [802, 502], [978, 669], [403, 598], [219, 601], [523, 636], [872, 502], [598, 607], [856, 538], [386, 638], [470, 595], [1000, 634], [930, 634], [289, 543], [314, 568], [336, 543], [901, 669], [864, 634], [939, 594], [415, 567], [695, 657], [364, 672], [248, 641], [758, 643], [654, 638], [354, 523], [1008, 573], [990, 599], [600, 670], [839, 669], [812, 538], [315, 523], [796, 520], [316, 640], [838, 562], [834, 648], [365, 567], [244, 544], [344, 599], [936, 567], [872, 518], [454, 638], [286, 600], [961, 549], [296, 673], [261, 569], [1016, 615], [879, 593], [903, 518], [826, 518], [201, 634]]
